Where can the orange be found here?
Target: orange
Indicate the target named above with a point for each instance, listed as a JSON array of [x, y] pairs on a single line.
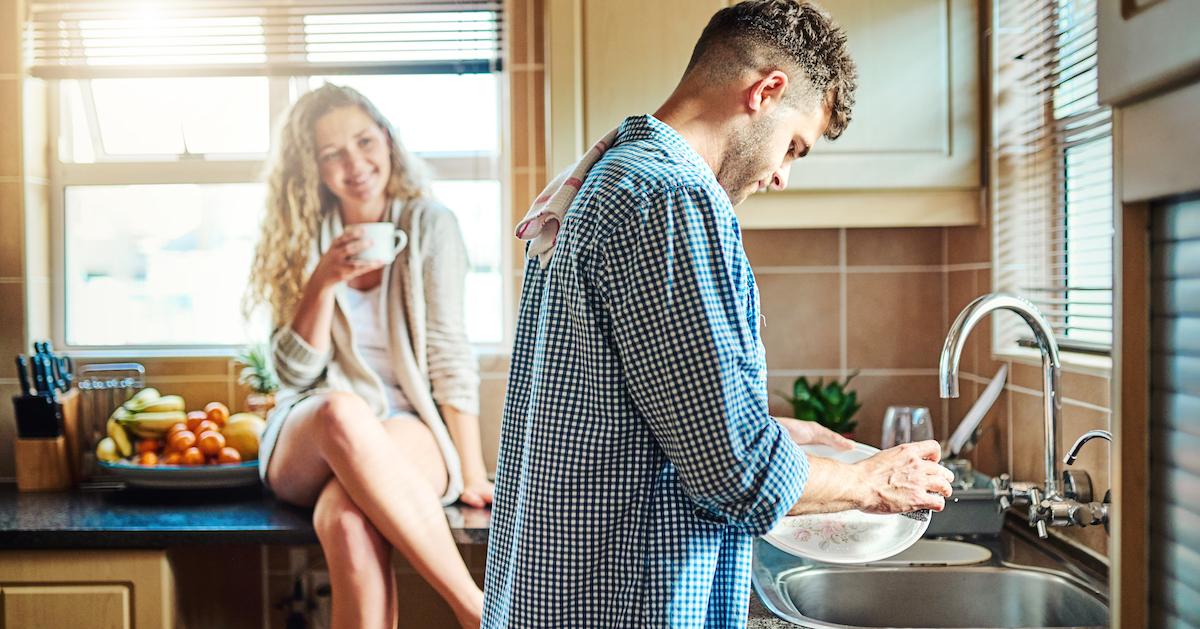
[[218, 413], [194, 418], [229, 455], [174, 429], [205, 426], [193, 456], [148, 458], [181, 440], [173, 458], [210, 442], [147, 445]]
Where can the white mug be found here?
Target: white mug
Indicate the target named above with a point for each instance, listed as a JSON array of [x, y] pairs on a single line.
[[386, 242]]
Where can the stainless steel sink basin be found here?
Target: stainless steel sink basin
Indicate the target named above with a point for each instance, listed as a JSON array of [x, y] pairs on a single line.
[[829, 597]]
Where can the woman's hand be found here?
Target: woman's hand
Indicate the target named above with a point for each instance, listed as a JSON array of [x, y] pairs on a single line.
[[338, 263], [477, 493], [805, 432]]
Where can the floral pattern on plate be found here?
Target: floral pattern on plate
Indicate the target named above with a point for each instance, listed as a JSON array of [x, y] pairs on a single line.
[[826, 532]]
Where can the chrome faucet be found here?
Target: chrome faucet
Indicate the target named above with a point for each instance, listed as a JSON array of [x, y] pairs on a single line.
[[1043, 334], [1073, 453], [1078, 509]]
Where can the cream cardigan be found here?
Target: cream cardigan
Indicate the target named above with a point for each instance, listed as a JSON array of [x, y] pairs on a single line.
[[434, 365]]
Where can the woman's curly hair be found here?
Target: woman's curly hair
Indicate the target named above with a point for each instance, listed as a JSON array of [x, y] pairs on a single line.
[[297, 201], [787, 34]]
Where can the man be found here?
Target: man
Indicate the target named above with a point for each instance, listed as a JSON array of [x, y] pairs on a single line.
[[637, 456]]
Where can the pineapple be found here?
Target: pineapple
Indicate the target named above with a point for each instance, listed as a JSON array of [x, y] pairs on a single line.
[[259, 374]]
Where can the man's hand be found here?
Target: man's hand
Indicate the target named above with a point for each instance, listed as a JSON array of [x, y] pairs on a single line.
[[806, 432], [904, 478]]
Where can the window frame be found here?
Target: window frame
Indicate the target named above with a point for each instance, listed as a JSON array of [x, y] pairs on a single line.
[[148, 170], [1078, 355]]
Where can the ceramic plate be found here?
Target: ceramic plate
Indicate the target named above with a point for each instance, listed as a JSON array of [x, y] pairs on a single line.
[[849, 536], [185, 477]]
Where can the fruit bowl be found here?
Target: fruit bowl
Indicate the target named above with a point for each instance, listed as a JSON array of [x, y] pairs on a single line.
[[184, 476]]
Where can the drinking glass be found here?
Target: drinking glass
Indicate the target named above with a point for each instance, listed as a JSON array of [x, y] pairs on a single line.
[[905, 424]]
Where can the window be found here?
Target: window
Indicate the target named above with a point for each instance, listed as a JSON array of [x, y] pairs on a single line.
[[157, 172], [1052, 191]]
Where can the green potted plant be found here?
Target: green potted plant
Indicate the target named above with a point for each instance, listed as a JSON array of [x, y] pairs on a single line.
[[830, 405], [258, 373]]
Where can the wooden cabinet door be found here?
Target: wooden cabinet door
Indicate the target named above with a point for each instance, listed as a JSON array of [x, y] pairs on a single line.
[[634, 53], [57, 584], [609, 59], [911, 156], [83, 606], [916, 116], [1146, 46]]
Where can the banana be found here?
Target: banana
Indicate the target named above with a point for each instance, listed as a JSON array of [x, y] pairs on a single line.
[[141, 399], [152, 425], [164, 404], [120, 438]]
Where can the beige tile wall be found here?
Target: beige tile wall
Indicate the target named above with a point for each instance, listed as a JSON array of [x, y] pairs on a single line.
[[837, 301], [13, 276]]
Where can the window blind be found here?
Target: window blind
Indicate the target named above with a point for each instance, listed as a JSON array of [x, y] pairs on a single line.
[[133, 38], [1052, 171]]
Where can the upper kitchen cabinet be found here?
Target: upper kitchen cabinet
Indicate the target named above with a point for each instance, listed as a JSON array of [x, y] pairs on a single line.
[[911, 156], [609, 59], [1146, 46], [916, 112]]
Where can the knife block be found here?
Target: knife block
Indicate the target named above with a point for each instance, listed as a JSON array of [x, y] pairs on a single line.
[[50, 463], [42, 464]]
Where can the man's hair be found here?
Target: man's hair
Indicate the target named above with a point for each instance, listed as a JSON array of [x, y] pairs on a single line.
[[797, 37]]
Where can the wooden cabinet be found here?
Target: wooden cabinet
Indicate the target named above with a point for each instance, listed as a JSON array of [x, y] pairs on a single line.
[[97, 589], [1146, 46], [610, 59], [911, 156], [91, 606], [916, 115]]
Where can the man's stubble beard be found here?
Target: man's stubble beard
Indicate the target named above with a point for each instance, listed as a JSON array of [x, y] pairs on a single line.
[[746, 160]]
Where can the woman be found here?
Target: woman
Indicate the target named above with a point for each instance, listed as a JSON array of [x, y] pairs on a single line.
[[377, 425]]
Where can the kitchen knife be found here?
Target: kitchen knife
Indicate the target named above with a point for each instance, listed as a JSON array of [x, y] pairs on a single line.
[[46, 363], [68, 372], [23, 374], [39, 381]]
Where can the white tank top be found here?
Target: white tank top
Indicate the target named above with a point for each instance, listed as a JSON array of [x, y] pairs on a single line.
[[371, 340]]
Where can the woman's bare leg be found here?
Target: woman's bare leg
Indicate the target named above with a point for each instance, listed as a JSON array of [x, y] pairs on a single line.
[[359, 561], [421, 449], [338, 434]]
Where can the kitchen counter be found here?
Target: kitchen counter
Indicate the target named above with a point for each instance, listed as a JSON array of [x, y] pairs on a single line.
[[761, 618], [109, 517]]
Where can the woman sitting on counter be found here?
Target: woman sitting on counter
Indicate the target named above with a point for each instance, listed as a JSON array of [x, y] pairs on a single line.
[[379, 413]]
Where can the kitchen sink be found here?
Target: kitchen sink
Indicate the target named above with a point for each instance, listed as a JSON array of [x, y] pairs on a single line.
[[992, 595]]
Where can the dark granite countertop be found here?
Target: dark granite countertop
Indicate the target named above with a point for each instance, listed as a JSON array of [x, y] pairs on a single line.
[[108, 517]]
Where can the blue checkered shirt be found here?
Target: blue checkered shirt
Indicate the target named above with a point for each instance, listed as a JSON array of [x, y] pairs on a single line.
[[637, 458]]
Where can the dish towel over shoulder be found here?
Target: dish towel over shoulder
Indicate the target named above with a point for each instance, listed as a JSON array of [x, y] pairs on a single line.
[[545, 216]]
